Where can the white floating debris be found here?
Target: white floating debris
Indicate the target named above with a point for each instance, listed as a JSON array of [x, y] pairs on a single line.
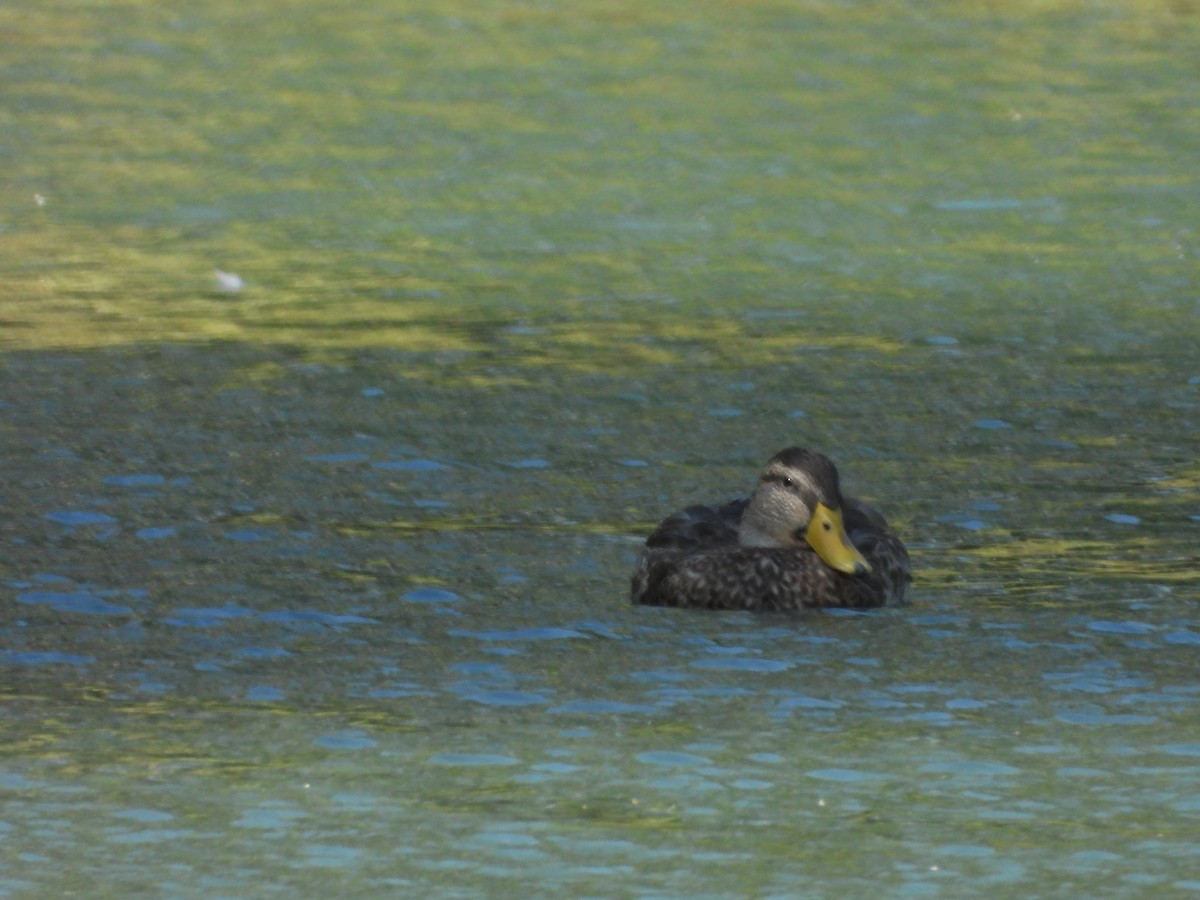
[[39, 199], [229, 282]]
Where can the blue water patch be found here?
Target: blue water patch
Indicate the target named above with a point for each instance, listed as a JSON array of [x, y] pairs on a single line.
[[979, 205], [411, 465], [149, 836], [338, 457], [549, 633], [672, 758], [394, 693], [726, 412], [802, 702], [964, 851], [1089, 717], [136, 480], [965, 703], [1180, 749], [328, 856], [349, 739], [429, 595], [206, 617], [530, 464], [766, 757], [314, 617], [939, 619], [991, 424], [247, 535], [43, 658], [751, 784], [1060, 444], [51, 578], [261, 653], [473, 759], [846, 775], [869, 661], [372, 392], [633, 463], [79, 517], [964, 520], [1123, 519], [1182, 637], [506, 698], [73, 602], [155, 534], [969, 767], [602, 707], [941, 340], [602, 629], [143, 816], [270, 817], [657, 676], [264, 693], [494, 670], [146, 684], [430, 504], [742, 664], [1127, 627]]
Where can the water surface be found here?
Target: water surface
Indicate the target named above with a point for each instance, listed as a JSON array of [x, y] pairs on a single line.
[[348, 354]]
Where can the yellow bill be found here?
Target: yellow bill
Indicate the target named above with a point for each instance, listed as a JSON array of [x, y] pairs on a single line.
[[827, 535]]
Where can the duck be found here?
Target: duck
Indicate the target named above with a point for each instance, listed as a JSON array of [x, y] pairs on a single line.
[[794, 543]]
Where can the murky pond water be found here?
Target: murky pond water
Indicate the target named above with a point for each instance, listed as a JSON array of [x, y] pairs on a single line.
[[315, 571]]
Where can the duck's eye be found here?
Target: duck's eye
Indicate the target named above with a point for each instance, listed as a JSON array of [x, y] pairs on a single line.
[[787, 482]]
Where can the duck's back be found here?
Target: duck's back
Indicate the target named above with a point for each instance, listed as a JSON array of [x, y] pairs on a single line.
[[693, 559]]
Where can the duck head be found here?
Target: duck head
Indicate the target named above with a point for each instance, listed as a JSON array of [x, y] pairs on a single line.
[[797, 501]]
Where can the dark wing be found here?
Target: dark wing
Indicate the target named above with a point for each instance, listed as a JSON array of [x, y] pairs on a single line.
[[695, 530], [891, 570]]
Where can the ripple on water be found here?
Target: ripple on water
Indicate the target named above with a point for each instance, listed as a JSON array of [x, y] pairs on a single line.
[[410, 465], [336, 458], [136, 480], [206, 617], [314, 617], [264, 693], [1125, 627], [505, 698], [331, 856], [429, 595], [43, 658], [1180, 749], [1123, 519], [247, 535], [155, 534], [550, 633], [1182, 637], [847, 775], [799, 701], [969, 768], [602, 707], [1094, 715], [144, 816], [347, 739], [529, 464], [473, 759], [75, 518], [742, 664], [73, 602]]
